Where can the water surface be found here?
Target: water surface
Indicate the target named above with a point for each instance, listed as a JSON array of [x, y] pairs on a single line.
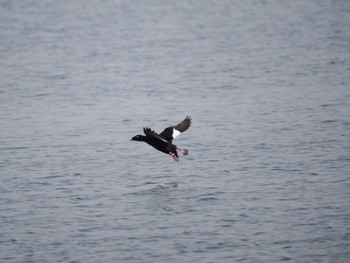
[[267, 175]]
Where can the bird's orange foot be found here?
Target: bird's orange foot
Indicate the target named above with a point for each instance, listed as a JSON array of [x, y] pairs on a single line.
[[174, 156], [184, 151]]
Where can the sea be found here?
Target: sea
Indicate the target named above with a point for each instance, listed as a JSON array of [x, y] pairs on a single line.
[[267, 84]]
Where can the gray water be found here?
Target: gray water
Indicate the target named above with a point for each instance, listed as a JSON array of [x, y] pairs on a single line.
[[267, 175]]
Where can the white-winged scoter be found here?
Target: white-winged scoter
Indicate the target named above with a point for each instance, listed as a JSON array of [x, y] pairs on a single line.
[[163, 141]]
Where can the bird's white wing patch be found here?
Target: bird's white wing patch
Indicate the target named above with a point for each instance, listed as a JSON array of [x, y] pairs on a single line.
[[176, 133]]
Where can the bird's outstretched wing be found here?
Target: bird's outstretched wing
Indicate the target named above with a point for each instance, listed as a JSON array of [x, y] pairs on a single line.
[[172, 132], [151, 133]]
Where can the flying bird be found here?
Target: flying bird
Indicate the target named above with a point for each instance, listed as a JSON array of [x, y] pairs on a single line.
[[164, 141]]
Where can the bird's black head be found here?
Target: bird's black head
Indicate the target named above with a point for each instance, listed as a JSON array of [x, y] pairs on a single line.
[[138, 138]]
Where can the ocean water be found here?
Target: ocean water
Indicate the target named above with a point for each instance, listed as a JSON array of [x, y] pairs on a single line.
[[267, 175]]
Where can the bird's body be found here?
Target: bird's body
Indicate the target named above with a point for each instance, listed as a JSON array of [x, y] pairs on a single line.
[[163, 141]]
